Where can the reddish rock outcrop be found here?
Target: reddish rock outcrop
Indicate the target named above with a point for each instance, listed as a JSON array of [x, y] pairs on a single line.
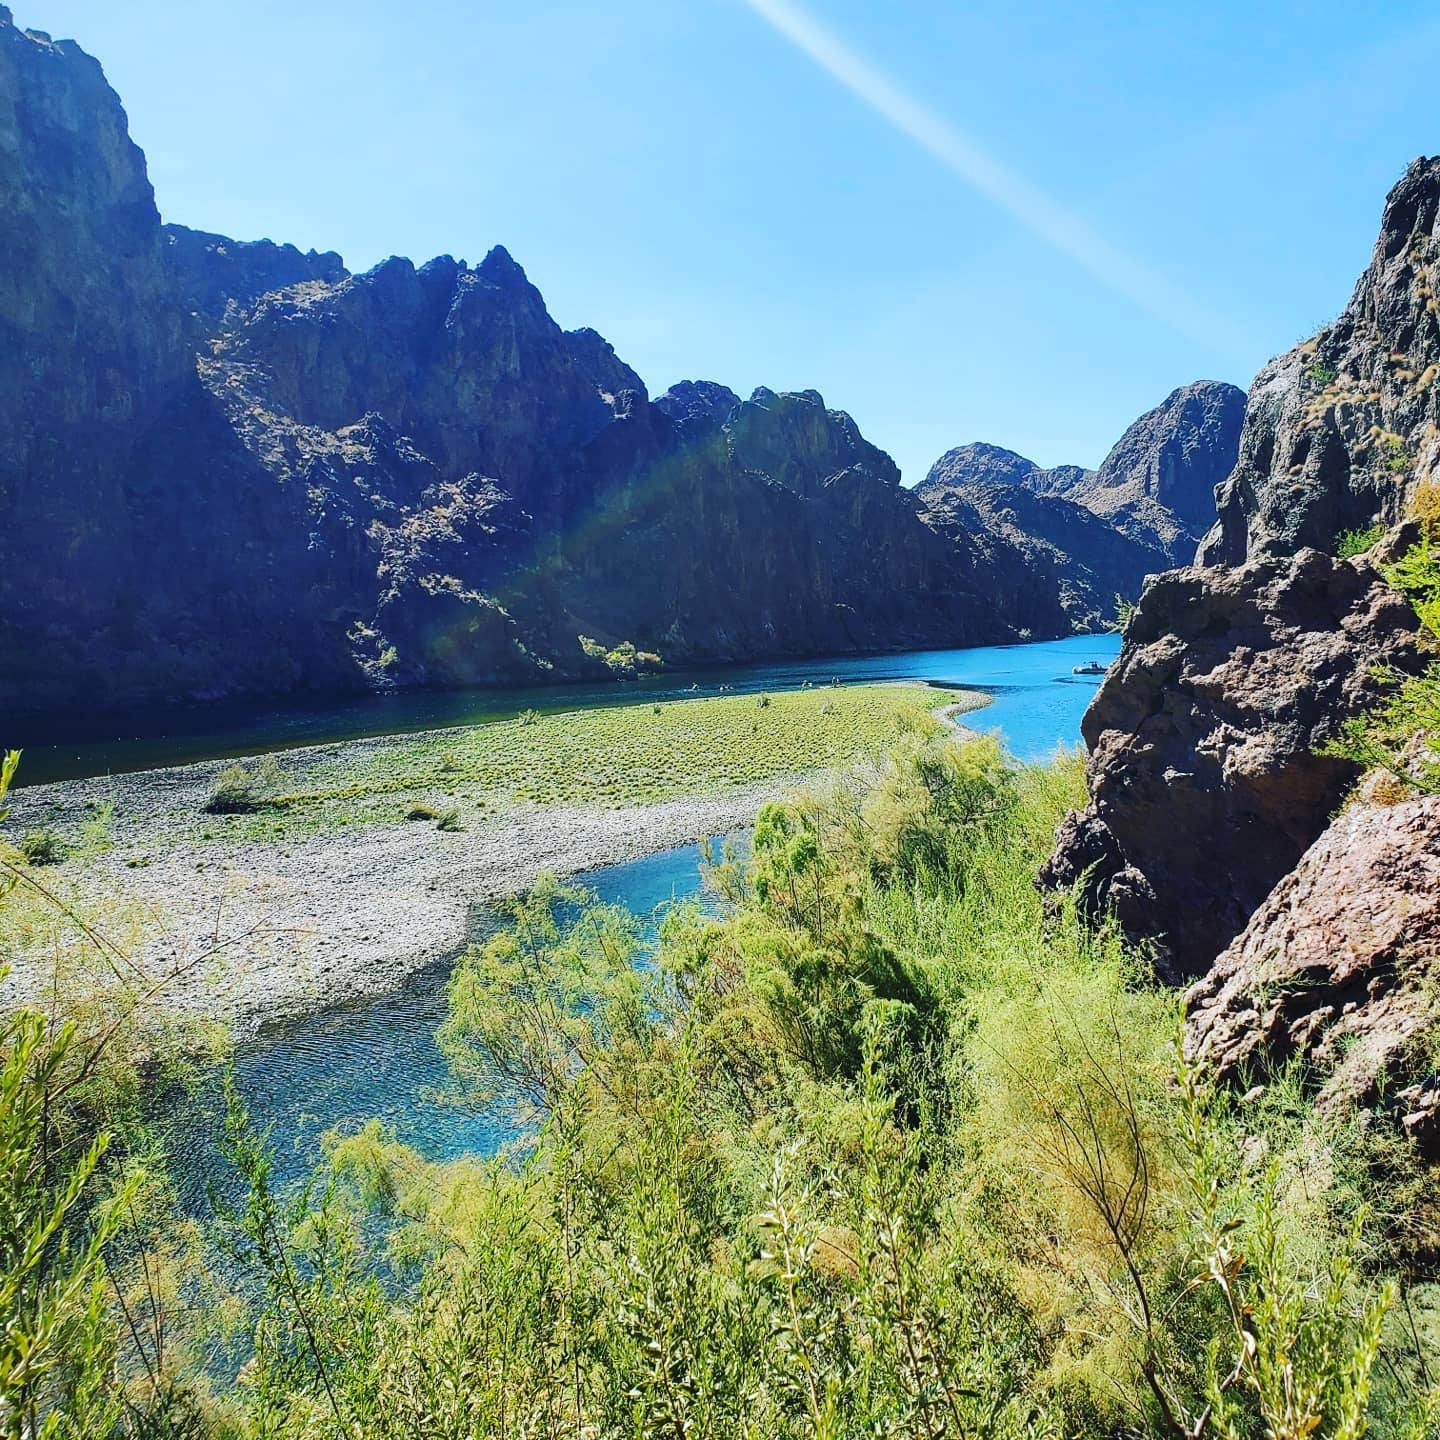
[[1206, 783], [1339, 964]]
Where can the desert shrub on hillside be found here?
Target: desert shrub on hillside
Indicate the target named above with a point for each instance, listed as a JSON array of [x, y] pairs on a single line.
[[1402, 735], [240, 789], [882, 1147], [42, 847]]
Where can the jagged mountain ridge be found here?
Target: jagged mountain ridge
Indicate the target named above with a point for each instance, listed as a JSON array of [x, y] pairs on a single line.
[[235, 469], [1099, 533], [1156, 485], [1089, 562]]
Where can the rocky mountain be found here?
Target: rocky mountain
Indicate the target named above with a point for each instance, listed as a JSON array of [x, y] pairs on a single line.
[[1157, 484], [1213, 828], [1099, 533], [215, 273], [1083, 556], [1341, 431], [232, 468]]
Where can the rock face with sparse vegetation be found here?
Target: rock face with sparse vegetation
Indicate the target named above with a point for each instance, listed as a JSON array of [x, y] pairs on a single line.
[[1340, 431], [1340, 964], [1207, 772], [1206, 781], [236, 469]]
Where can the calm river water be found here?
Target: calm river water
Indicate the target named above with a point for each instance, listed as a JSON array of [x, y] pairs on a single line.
[[379, 1058]]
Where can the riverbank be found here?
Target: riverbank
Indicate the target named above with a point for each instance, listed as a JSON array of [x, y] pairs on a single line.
[[326, 892]]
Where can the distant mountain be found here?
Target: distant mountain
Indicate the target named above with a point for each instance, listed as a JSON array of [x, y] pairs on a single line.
[[235, 469], [1157, 484], [1083, 556], [1098, 533]]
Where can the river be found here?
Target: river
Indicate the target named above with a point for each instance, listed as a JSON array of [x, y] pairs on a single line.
[[379, 1057], [1037, 704]]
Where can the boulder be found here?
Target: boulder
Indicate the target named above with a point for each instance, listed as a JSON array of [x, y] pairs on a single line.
[[1339, 965], [1205, 771]]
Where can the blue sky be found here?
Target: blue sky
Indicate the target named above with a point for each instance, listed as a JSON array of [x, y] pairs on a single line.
[[1165, 192]]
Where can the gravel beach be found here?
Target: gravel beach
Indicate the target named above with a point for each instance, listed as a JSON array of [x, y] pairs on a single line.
[[324, 918]]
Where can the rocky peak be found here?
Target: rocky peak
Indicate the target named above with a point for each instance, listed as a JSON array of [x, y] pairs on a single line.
[[792, 437], [215, 272], [1158, 481], [1341, 431], [597, 360], [698, 400], [466, 361], [976, 463], [1156, 486]]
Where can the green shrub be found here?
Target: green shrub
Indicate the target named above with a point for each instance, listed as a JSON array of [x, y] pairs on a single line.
[[1356, 542], [241, 789], [43, 847], [448, 820], [624, 659], [1402, 734]]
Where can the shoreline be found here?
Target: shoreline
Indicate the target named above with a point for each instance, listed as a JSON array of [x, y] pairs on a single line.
[[321, 919]]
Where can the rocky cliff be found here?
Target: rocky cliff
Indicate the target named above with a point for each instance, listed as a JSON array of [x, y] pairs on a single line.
[[1158, 482], [1087, 561], [233, 468], [1340, 432], [1339, 965], [1206, 778]]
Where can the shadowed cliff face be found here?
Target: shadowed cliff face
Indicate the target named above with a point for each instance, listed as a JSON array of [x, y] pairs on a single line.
[[232, 468], [92, 345], [1084, 557]]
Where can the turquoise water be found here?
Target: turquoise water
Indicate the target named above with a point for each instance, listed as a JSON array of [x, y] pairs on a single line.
[[379, 1058], [1038, 704]]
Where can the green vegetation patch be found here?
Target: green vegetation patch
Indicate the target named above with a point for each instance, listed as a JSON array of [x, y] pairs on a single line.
[[631, 755], [1356, 542], [890, 1144]]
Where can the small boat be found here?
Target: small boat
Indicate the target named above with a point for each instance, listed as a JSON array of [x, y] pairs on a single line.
[[1090, 667]]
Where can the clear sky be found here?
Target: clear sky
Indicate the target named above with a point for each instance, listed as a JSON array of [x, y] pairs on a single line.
[[1022, 221]]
